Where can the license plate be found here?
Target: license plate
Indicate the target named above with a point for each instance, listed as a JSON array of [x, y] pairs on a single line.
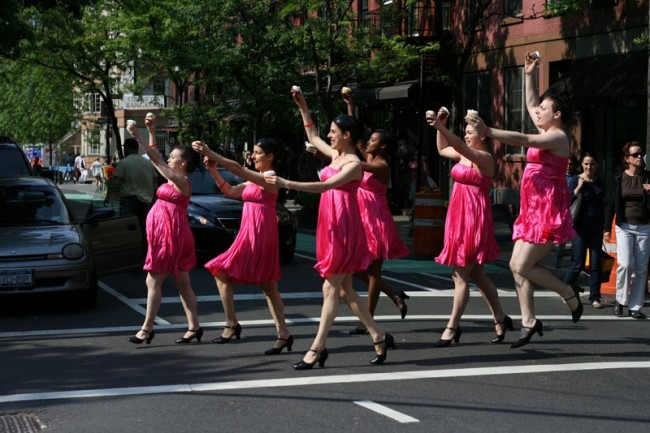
[[17, 278]]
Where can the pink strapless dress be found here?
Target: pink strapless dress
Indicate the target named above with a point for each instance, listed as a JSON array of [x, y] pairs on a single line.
[[381, 232], [341, 246], [545, 213], [254, 256], [469, 228], [170, 240]]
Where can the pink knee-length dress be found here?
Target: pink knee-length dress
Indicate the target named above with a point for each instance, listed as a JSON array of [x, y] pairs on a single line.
[[545, 210], [254, 256], [341, 246], [170, 240], [381, 233], [469, 228]]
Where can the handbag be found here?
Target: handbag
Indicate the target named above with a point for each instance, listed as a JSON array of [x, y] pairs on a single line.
[[575, 208]]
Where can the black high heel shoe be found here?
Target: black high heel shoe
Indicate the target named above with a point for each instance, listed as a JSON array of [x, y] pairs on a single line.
[[322, 357], [389, 342], [507, 324], [150, 334], [223, 340], [446, 342], [577, 313], [538, 327], [277, 350], [198, 334], [399, 301]]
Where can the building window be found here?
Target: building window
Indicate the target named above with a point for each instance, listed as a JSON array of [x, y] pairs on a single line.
[[363, 12], [446, 14], [476, 94], [94, 102], [413, 20], [513, 8], [517, 118], [92, 139]]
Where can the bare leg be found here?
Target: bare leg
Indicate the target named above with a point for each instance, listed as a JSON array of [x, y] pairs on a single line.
[[188, 299], [490, 295], [227, 295], [527, 271], [461, 277], [276, 307], [154, 295], [328, 313]]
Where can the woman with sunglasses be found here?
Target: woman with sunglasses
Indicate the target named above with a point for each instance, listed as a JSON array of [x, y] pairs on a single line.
[[545, 218], [630, 204]]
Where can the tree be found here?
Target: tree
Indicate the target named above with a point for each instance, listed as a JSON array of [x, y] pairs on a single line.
[[36, 103], [84, 42]]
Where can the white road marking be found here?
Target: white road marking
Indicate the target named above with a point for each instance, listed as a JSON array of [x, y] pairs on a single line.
[[133, 303], [325, 380], [386, 411]]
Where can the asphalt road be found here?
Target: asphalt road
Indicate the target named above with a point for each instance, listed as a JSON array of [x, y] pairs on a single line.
[[74, 371]]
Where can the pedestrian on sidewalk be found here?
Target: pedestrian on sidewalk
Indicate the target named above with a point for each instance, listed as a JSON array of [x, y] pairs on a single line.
[[630, 203], [341, 246], [469, 241], [588, 225], [545, 216]]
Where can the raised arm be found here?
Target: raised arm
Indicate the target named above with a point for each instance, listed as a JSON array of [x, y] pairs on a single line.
[[178, 179], [443, 135], [233, 166], [348, 173], [532, 92], [310, 127], [228, 190]]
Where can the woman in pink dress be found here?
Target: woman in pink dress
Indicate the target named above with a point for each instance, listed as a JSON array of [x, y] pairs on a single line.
[[469, 240], [383, 240], [170, 241], [381, 233], [254, 256], [341, 246], [545, 216]]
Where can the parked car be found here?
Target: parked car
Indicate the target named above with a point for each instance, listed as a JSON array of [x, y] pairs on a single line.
[[13, 161], [45, 249], [215, 218]]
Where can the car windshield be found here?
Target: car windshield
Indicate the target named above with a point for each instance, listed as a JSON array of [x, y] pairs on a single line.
[[24, 205], [203, 183]]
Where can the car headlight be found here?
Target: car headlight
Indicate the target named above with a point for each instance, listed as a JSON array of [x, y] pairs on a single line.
[[199, 219], [73, 251]]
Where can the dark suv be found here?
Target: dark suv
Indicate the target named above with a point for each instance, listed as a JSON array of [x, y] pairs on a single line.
[[13, 161]]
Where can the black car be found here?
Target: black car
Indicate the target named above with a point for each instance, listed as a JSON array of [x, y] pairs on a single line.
[[13, 161], [215, 218]]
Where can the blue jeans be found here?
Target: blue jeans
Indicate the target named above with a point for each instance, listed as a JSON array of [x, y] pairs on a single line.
[[580, 244]]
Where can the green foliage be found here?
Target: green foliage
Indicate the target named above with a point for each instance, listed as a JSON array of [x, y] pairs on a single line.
[[36, 103], [562, 7]]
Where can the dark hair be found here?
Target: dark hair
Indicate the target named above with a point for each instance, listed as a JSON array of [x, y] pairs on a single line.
[[588, 155], [188, 155], [130, 143], [349, 124], [386, 138], [625, 151], [559, 95], [274, 147]]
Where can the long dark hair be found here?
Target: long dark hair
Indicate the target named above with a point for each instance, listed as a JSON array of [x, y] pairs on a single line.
[[349, 124]]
